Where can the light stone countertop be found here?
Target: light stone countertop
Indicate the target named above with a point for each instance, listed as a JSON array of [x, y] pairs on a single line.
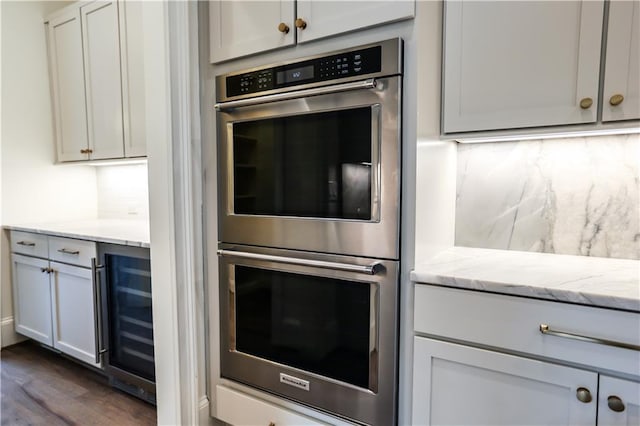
[[125, 232], [593, 281]]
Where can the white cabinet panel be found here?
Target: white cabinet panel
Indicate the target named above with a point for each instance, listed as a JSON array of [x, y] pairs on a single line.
[[236, 408], [327, 18], [622, 66], [73, 309], [520, 64], [239, 28], [460, 385], [67, 78], [101, 45], [32, 298], [133, 91], [618, 402]]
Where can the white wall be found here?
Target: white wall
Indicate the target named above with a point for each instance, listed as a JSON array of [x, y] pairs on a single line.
[[123, 192], [33, 188]]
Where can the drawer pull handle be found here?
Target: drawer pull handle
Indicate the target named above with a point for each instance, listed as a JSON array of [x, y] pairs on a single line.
[[26, 243], [615, 404], [67, 251], [544, 329], [583, 395]]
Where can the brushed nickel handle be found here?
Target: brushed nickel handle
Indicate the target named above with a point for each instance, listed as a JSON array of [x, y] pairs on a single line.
[[301, 23], [26, 243], [67, 251], [583, 395], [366, 84], [585, 103], [615, 404], [370, 269], [545, 329], [97, 308], [616, 99], [283, 28]]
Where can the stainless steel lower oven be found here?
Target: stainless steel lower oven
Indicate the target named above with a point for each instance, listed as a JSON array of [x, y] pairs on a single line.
[[316, 328]]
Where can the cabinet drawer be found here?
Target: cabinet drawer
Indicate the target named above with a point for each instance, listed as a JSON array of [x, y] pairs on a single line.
[[236, 408], [75, 252], [29, 243], [513, 323]]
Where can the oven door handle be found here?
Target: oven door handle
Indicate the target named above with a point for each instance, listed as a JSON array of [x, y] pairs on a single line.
[[366, 84], [370, 269]]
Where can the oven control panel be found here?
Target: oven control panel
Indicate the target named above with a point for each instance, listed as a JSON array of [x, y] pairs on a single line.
[[332, 67]]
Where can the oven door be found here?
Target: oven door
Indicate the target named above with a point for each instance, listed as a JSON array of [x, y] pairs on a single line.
[[318, 329], [318, 173]]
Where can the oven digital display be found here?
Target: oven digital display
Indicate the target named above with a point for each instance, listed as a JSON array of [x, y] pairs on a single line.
[[296, 74]]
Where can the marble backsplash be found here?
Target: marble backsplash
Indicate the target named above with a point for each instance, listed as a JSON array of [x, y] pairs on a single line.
[[577, 196]]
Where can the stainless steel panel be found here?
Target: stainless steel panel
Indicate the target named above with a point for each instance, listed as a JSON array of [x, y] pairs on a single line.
[[378, 237], [391, 65], [375, 405]]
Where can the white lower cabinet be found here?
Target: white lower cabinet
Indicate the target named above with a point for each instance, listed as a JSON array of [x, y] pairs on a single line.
[[618, 402], [504, 370], [73, 310], [54, 301], [32, 298], [461, 385]]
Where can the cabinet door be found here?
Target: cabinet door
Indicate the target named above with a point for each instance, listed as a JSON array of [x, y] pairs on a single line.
[[239, 28], [460, 385], [73, 311], [520, 64], [101, 46], [619, 402], [622, 66], [327, 18], [32, 298], [133, 91], [67, 79]]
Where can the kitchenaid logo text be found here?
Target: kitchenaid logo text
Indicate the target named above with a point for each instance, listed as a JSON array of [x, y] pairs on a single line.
[[294, 381]]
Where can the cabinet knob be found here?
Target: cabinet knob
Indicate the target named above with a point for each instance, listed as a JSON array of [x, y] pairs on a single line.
[[583, 395], [43, 270], [272, 424], [585, 103], [86, 151], [301, 23], [283, 28], [616, 99], [615, 404]]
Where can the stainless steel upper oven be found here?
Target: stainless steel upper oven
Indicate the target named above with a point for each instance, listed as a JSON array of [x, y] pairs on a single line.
[[309, 153]]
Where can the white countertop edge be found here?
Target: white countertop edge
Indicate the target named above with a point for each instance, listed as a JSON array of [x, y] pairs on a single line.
[[597, 282], [128, 233]]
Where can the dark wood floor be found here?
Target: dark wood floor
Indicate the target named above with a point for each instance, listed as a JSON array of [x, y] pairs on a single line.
[[40, 387]]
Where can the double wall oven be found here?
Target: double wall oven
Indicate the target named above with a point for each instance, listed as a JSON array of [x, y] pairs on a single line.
[[309, 207]]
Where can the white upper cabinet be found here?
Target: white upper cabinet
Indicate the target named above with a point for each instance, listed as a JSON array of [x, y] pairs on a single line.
[[621, 100], [101, 45], [318, 19], [520, 64], [96, 58], [133, 91], [240, 28], [67, 78]]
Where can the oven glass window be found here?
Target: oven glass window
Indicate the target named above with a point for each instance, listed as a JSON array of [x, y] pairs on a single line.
[[309, 165], [316, 324]]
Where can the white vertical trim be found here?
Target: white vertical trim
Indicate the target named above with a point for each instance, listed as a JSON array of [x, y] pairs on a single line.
[[161, 211], [183, 42]]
